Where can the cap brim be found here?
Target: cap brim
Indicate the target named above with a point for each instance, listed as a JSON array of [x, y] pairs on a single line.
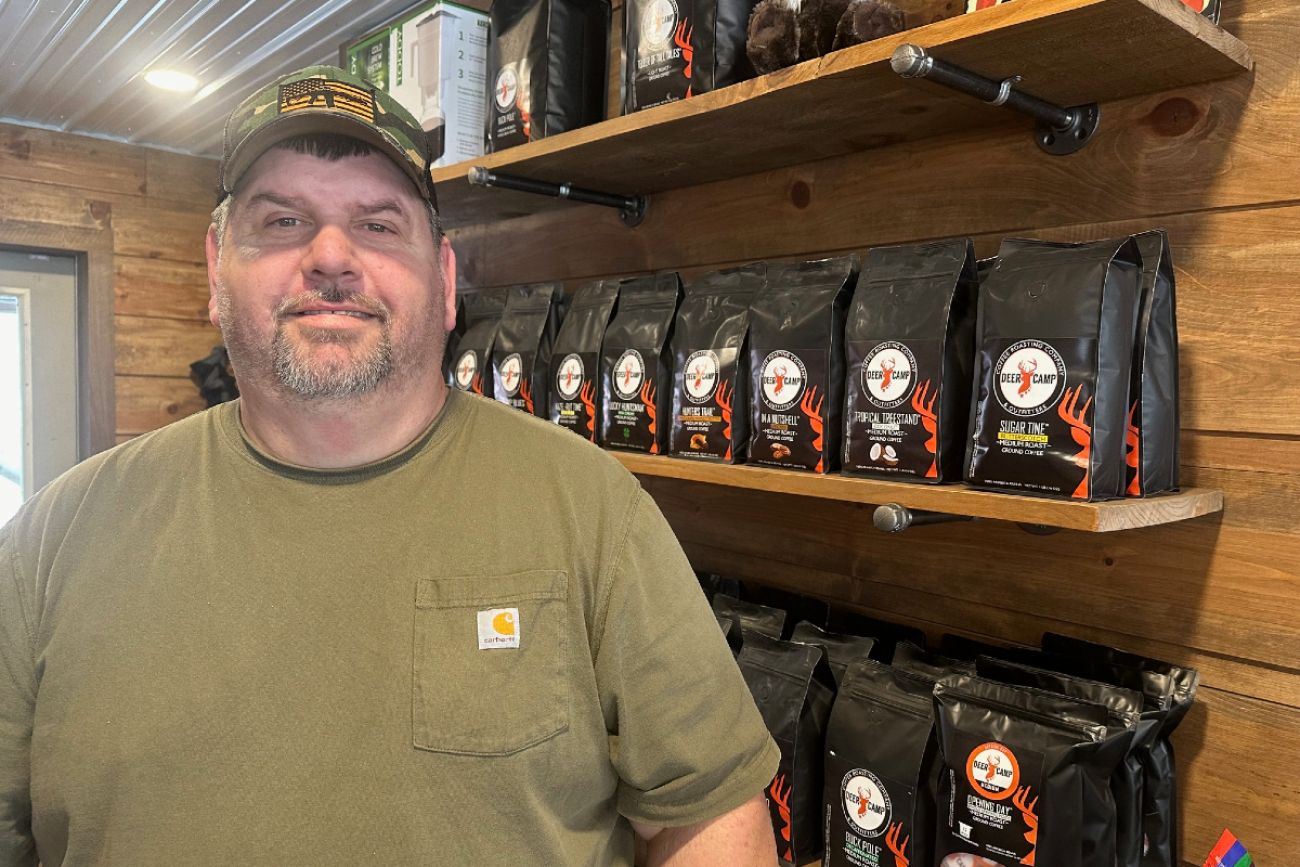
[[287, 126]]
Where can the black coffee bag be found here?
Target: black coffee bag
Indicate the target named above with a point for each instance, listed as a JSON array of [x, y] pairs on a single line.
[[796, 361], [798, 607], [730, 630], [750, 615], [886, 633], [521, 356], [1054, 343], [1169, 691], [636, 365], [1017, 762], [792, 687], [841, 650], [471, 368], [909, 657], [880, 754], [710, 366], [657, 53], [1116, 812], [546, 68], [575, 360], [1153, 422], [908, 352], [718, 44]]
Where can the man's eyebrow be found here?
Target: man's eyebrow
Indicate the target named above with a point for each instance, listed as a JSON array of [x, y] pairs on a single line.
[[383, 206], [278, 201]]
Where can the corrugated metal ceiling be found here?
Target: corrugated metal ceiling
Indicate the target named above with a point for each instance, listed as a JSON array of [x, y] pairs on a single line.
[[79, 65]]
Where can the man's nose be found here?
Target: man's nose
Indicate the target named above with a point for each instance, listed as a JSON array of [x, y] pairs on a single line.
[[330, 256]]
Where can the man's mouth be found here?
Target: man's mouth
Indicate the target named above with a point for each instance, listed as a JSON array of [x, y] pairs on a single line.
[[356, 314]]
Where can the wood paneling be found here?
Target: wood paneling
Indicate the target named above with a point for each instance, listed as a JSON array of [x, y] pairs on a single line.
[[161, 288], [79, 162], [145, 403], [147, 346]]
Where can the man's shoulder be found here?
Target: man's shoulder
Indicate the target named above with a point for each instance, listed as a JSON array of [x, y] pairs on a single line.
[[165, 450]]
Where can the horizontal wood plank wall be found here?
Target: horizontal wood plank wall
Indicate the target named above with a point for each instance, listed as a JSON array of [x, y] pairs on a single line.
[[157, 204], [1219, 166]]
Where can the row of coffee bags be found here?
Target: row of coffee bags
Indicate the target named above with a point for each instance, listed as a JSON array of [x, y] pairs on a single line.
[[989, 757]]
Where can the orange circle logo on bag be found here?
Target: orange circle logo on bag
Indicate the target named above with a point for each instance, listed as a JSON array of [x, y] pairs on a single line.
[[993, 771]]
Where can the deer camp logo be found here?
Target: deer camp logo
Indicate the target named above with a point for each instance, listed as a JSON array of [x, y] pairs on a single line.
[[658, 24], [511, 373], [569, 376], [888, 374], [782, 379], [506, 88], [1029, 378], [466, 369], [992, 771], [866, 803], [700, 375], [498, 628], [628, 374]]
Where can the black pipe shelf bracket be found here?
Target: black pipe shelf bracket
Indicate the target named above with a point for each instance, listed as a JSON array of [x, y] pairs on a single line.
[[895, 518], [631, 209], [1059, 131]]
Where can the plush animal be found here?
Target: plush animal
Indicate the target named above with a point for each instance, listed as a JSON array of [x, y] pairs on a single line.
[[772, 38]]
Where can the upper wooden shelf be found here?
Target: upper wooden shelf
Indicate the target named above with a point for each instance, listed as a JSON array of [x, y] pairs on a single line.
[[1069, 52], [951, 499]]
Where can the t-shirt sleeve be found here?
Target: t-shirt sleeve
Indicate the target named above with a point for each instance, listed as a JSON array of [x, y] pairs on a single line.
[[689, 743], [17, 706]]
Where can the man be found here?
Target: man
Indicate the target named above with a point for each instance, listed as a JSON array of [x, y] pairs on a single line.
[[352, 617]]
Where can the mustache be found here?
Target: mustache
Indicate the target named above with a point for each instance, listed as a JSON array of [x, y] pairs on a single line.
[[333, 294]]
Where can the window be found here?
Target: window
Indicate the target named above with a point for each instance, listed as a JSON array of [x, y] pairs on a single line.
[[15, 403]]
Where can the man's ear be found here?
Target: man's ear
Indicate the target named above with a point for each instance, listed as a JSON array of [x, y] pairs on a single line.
[[447, 259], [210, 245]]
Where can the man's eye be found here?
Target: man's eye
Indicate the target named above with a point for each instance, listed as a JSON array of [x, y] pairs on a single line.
[[286, 222], [377, 227]]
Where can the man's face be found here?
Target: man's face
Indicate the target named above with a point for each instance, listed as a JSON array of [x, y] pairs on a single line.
[[329, 284]]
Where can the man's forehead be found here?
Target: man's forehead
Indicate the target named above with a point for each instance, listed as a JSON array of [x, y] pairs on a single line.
[[370, 181]]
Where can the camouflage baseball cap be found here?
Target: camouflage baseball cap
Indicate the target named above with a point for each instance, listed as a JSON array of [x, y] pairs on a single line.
[[324, 99]]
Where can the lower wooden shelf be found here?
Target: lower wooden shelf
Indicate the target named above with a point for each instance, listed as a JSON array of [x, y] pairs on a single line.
[[952, 499]]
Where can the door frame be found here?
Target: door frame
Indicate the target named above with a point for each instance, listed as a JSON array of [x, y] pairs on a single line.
[[92, 249]]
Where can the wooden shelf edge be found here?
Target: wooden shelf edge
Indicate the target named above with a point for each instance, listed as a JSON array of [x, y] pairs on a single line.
[[1103, 517]]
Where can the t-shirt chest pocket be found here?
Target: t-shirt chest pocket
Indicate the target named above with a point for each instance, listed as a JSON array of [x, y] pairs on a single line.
[[490, 657]]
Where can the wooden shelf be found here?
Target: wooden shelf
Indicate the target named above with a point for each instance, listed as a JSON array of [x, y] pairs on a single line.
[[952, 499], [1069, 52]]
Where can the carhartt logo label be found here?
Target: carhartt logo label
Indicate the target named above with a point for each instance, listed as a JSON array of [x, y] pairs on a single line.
[[497, 628]]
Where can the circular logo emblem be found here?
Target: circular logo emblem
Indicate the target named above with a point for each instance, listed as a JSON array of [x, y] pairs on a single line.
[[1030, 377], [506, 89], [658, 24], [568, 376], [992, 770], [866, 803], [783, 380], [700, 376], [466, 369], [511, 372], [628, 373], [888, 374]]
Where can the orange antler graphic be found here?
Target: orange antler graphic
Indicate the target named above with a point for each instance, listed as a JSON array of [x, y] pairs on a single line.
[[814, 413], [588, 398], [648, 398], [724, 406], [1026, 808], [476, 385], [1081, 431], [526, 392], [682, 39], [525, 116], [898, 848], [1133, 438], [923, 402], [781, 797]]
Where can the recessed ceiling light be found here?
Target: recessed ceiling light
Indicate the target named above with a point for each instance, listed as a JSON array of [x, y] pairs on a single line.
[[169, 79]]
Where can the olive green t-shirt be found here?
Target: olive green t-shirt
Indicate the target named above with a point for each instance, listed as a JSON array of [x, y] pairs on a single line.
[[485, 649]]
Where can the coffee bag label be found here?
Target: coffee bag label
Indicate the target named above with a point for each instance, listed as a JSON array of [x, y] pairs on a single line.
[[511, 122], [661, 63], [993, 800], [514, 385], [1034, 429], [869, 824], [467, 374], [633, 412], [893, 406], [574, 399], [705, 416], [789, 396]]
